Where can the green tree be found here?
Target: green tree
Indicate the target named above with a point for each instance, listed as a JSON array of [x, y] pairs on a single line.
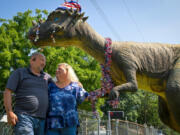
[[14, 45]]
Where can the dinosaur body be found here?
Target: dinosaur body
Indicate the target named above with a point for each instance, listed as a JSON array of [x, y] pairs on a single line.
[[152, 67]]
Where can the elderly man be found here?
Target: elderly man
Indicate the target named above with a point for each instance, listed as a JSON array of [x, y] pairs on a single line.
[[30, 86]]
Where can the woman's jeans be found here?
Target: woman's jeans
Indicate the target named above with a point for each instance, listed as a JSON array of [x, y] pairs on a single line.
[[28, 125], [63, 131]]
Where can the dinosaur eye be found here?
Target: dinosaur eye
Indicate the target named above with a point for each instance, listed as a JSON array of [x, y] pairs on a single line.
[[56, 19]]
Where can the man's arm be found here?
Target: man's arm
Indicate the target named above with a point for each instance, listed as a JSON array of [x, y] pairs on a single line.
[[11, 116]]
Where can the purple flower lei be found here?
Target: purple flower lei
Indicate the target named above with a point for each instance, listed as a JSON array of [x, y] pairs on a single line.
[[106, 81]]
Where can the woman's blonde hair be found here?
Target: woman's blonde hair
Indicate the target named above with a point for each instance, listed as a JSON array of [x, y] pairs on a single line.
[[71, 74]]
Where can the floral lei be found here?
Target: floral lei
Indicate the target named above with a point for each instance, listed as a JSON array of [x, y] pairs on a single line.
[[106, 81]]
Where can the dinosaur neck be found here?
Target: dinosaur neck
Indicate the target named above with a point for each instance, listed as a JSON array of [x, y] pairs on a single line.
[[91, 41]]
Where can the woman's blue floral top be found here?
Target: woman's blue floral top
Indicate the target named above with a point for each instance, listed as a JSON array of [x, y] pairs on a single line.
[[63, 105]]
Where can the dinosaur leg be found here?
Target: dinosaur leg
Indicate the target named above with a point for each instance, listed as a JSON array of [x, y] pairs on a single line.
[[164, 112], [130, 86], [173, 94]]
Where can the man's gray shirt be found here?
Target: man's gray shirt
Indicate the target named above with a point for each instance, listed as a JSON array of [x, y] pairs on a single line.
[[31, 92]]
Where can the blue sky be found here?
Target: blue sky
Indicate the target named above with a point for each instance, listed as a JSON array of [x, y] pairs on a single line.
[[132, 20]]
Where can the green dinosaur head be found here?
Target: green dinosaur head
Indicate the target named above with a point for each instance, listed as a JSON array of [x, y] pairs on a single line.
[[60, 26]]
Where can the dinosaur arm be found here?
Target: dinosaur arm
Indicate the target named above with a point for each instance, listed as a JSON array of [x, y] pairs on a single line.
[[127, 87], [130, 86]]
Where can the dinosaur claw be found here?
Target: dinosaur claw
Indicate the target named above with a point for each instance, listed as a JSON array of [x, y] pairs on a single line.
[[113, 94]]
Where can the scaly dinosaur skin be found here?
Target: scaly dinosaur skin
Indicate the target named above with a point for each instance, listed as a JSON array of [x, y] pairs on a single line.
[[152, 67]]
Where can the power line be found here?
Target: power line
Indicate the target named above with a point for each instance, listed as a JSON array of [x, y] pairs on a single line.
[[133, 20], [105, 18]]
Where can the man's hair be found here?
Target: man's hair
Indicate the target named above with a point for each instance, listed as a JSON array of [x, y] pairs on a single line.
[[35, 54]]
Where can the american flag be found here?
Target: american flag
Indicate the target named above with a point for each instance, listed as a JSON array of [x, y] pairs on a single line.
[[68, 5]]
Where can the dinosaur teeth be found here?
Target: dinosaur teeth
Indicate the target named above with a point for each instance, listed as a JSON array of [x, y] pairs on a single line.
[[60, 27], [53, 39]]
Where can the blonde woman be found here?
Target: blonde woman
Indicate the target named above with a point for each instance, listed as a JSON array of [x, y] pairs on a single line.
[[64, 96]]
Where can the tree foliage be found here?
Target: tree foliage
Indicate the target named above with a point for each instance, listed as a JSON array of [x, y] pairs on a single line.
[[14, 45]]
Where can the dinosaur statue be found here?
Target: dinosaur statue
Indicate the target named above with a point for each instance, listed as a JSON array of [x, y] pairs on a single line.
[[152, 67]]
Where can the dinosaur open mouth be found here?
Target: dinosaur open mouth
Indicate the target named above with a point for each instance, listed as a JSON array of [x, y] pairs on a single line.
[[45, 34]]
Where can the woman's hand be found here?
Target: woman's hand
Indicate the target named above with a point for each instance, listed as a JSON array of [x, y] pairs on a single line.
[[80, 84]]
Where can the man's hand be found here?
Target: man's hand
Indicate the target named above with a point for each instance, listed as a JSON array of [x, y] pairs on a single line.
[[12, 118], [113, 94]]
